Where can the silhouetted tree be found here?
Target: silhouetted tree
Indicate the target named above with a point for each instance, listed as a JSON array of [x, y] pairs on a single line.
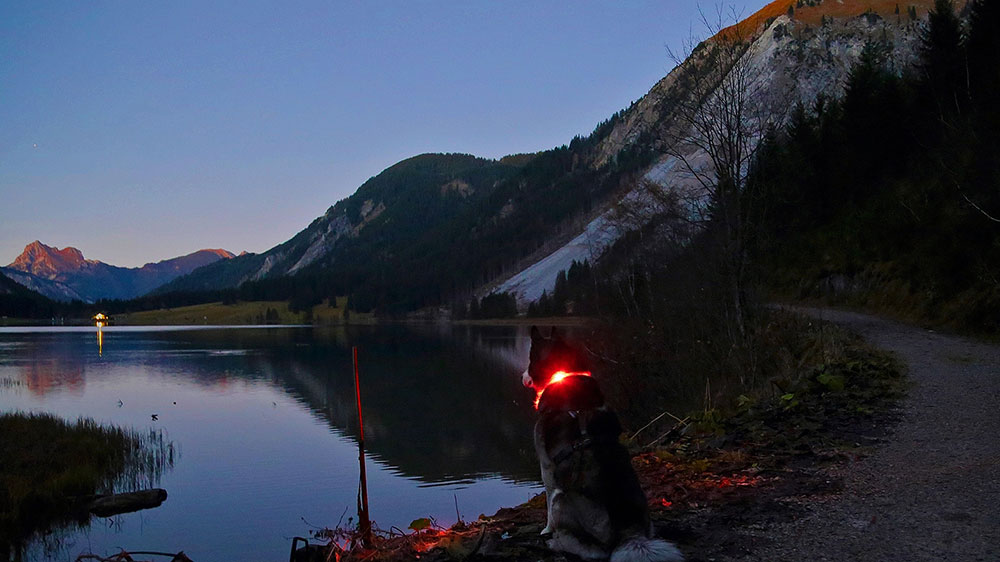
[[942, 60]]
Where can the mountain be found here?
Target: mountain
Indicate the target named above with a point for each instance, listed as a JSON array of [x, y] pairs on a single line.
[[437, 228], [429, 229], [388, 212], [64, 274], [799, 52]]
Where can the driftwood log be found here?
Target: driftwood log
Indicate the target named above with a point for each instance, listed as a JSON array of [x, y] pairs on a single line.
[[124, 556], [114, 504]]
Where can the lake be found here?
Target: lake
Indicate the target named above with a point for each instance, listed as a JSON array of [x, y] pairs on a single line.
[[265, 426]]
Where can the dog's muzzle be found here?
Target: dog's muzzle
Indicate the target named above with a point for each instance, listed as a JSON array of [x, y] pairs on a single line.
[[526, 379]]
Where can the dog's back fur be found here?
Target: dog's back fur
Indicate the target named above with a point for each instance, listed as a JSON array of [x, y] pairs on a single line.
[[596, 507]]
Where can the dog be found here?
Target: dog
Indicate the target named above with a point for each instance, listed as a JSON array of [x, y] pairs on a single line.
[[596, 507]]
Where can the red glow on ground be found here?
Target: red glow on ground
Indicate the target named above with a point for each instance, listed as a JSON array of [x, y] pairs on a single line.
[[742, 480], [557, 378], [424, 546], [665, 502], [429, 539]]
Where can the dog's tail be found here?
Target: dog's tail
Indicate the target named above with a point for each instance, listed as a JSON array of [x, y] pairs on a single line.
[[638, 548]]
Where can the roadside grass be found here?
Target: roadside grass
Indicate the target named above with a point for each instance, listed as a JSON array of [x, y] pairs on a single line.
[[758, 456], [244, 313], [833, 399], [49, 467], [890, 289], [812, 377]]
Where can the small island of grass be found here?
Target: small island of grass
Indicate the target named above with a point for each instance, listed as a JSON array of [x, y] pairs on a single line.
[[51, 468]]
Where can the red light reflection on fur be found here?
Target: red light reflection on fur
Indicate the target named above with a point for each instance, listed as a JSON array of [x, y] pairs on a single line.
[[557, 378]]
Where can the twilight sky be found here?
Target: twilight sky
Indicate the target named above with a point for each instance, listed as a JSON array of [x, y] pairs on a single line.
[[140, 131]]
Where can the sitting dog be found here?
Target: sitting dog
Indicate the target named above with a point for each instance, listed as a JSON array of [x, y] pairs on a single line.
[[596, 507]]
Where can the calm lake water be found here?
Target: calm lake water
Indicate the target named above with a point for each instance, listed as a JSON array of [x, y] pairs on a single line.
[[265, 423]]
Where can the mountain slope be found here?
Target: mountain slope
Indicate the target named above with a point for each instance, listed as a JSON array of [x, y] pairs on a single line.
[[51, 289], [66, 275]]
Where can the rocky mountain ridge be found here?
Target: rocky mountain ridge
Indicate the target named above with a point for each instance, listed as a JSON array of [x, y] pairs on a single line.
[[800, 56], [65, 274]]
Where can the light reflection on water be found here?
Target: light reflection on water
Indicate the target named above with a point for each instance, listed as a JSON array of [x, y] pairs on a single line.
[[265, 424]]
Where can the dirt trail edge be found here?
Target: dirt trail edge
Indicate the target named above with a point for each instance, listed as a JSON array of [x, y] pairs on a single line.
[[932, 492]]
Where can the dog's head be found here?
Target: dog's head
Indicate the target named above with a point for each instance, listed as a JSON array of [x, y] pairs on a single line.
[[548, 356]]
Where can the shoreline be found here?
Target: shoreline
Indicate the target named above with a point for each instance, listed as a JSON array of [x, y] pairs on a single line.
[[549, 321], [720, 478]]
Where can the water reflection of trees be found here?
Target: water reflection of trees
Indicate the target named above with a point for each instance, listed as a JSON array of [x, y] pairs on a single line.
[[438, 407], [441, 403]]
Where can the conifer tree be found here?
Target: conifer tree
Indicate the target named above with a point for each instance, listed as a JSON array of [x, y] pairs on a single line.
[[942, 58]]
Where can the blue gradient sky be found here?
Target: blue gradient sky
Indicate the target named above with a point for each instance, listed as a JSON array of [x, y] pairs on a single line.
[[138, 131]]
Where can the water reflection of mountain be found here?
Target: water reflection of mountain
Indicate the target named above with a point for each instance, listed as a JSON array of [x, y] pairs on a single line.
[[438, 407], [45, 375], [46, 364], [441, 404]]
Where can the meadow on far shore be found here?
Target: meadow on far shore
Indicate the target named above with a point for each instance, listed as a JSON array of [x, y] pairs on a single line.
[[279, 313]]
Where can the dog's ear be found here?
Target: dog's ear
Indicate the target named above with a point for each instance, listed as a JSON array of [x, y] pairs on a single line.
[[536, 334]]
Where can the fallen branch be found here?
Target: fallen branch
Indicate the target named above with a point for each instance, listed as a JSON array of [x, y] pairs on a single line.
[[654, 420], [678, 425]]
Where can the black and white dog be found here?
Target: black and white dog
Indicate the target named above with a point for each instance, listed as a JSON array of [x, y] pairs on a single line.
[[596, 507]]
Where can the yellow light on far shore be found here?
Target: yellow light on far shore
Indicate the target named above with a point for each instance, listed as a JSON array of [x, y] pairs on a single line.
[[101, 320]]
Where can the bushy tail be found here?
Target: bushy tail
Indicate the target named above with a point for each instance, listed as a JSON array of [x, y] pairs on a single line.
[[642, 549]]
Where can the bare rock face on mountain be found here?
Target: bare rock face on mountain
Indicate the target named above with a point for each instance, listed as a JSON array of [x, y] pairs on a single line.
[[800, 50], [64, 274], [45, 261]]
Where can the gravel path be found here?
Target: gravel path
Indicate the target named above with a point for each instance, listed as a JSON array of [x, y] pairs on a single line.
[[932, 492]]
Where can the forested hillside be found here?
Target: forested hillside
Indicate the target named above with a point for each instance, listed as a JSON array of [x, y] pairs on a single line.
[[17, 301]]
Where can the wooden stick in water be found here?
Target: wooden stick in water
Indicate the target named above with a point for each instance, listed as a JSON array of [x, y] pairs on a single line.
[[364, 521]]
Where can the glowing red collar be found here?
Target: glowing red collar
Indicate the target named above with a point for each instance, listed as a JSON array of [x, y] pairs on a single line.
[[557, 378]]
